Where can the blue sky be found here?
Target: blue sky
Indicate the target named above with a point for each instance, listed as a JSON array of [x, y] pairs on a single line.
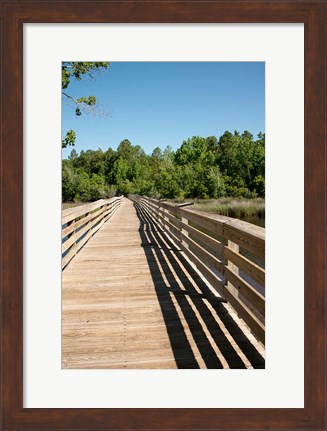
[[155, 104]]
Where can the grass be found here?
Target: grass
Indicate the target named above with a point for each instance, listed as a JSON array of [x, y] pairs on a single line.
[[240, 208], [233, 207], [66, 205]]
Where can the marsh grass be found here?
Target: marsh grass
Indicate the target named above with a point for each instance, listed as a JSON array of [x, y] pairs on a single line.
[[66, 205], [240, 208], [233, 207]]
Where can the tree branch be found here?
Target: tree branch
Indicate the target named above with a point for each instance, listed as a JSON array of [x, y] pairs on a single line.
[[70, 97]]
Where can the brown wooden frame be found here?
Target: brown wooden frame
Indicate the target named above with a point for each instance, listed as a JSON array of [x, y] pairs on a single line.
[[14, 13]]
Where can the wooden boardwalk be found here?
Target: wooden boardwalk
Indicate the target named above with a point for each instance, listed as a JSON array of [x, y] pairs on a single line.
[[131, 299]]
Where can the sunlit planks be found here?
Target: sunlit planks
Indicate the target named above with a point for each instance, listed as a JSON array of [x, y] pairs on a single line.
[[130, 299], [238, 279]]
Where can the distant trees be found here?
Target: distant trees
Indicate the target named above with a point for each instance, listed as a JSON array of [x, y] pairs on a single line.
[[242, 163], [234, 165]]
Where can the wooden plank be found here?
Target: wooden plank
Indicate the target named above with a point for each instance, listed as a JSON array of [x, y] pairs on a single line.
[[73, 213], [65, 260], [248, 236], [211, 277], [253, 270], [92, 222], [168, 226], [213, 225], [75, 225], [68, 243], [174, 209], [173, 220], [257, 327], [233, 289], [82, 222], [254, 297], [84, 240], [206, 272], [104, 214], [158, 217], [69, 229], [202, 254], [147, 204], [172, 229], [216, 248], [99, 221]]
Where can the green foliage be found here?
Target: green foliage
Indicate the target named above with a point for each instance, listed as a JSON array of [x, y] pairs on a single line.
[[216, 183], [91, 100], [68, 139], [73, 154], [191, 150], [97, 188], [68, 182], [259, 185], [76, 69], [232, 166]]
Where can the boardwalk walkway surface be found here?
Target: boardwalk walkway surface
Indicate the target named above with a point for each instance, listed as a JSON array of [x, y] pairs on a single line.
[[130, 299]]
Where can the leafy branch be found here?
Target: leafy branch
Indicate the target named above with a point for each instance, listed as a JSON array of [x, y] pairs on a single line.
[[86, 104]]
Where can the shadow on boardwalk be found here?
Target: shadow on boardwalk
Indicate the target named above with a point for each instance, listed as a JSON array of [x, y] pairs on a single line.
[[219, 340]]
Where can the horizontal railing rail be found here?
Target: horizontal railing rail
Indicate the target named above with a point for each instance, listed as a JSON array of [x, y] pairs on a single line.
[[81, 223], [228, 252]]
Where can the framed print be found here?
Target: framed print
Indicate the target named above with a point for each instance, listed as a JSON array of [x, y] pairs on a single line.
[[77, 338], [44, 387]]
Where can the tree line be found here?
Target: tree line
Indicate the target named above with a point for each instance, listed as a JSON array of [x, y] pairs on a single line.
[[233, 165]]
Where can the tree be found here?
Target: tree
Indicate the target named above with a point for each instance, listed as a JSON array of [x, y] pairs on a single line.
[[97, 187], [191, 150], [68, 181], [77, 70], [110, 157], [125, 150], [216, 184], [120, 170], [227, 154], [73, 154], [97, 162]]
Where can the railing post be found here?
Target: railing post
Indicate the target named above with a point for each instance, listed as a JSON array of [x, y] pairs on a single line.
[[236, 248], [70, 223], [109, 209], [184, 231], [73, 245], [72, 234], [89, 223], [160, 215], [157, 213]]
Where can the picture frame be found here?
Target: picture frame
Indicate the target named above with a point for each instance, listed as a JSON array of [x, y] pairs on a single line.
[[14, 15]]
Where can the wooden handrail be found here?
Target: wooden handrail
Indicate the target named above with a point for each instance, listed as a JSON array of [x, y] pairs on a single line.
[[228, 252], [81, 223]]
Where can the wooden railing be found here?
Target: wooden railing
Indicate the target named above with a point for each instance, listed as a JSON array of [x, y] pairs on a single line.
[[80, 223], [228, 252]]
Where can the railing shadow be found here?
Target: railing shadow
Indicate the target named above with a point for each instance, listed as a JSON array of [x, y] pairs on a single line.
[[168, 264]]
